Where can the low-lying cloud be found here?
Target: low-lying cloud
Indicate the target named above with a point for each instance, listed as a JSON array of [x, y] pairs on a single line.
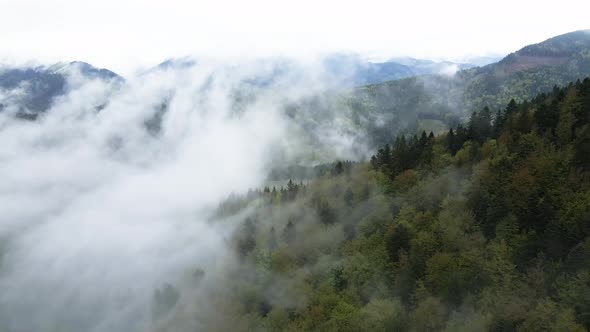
[[107, 196]]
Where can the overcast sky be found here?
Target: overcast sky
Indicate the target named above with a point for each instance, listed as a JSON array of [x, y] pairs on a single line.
[[126, 34]]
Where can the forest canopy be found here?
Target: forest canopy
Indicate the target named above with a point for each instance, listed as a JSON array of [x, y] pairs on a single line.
[[485, 227]]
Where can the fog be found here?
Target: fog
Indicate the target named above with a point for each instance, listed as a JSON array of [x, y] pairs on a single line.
[[108, 196]]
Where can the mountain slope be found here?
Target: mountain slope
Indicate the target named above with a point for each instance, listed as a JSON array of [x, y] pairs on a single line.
[[532, 70], [32, 90], [483, 228], [529, 71]]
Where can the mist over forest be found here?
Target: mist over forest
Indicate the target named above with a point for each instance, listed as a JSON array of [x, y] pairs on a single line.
[[328, 192]]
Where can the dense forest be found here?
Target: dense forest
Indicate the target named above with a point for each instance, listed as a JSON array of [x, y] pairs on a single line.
[[485, 227]]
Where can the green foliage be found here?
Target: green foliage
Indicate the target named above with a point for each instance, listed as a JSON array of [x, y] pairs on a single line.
[[483, 228], [547, 316], [383, 315]]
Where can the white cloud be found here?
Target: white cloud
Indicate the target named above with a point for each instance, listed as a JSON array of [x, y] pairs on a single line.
[[98, 211], [124, 34]]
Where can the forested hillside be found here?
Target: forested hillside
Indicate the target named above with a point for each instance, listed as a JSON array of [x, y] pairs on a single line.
[[434, 101], [483, 228]]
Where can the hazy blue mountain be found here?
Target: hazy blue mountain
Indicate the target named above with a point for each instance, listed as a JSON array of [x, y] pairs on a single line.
[[354, 70], [349, 70], [480, 61], [358, 71], [428, 67], [40, 86], [34, 88]]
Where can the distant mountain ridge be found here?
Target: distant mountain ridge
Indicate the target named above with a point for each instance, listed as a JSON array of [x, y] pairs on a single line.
[[44, 83], [351, 69], [428, 67], [394, 93], [84, 68]]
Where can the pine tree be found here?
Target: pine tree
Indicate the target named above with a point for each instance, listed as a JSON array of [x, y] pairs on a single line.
[[289, 233], [498, 125], [546, 117], [272, 239], [511, 108], [451, 141], [338, 168], [348, 197]]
